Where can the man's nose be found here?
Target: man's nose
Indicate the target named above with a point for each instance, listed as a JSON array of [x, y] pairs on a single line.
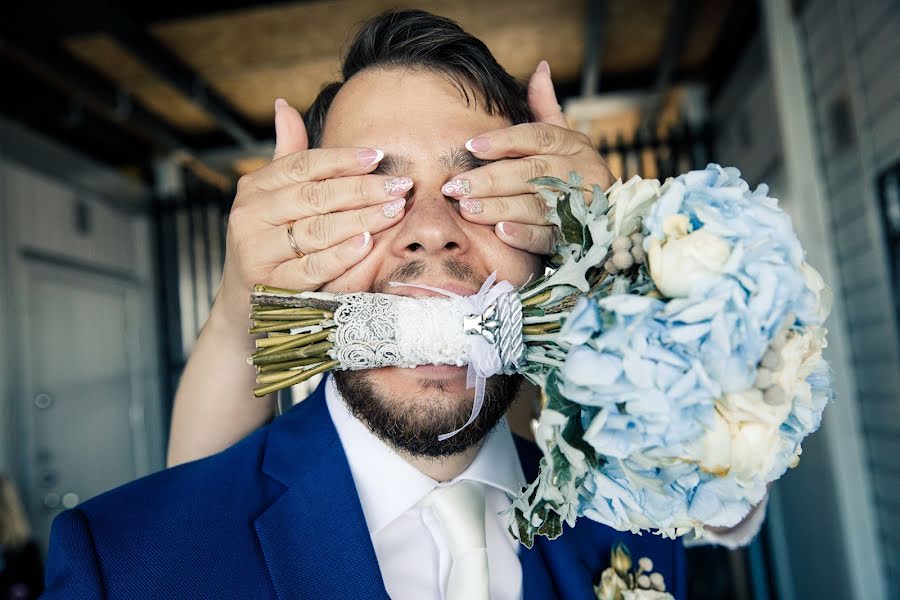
[[431, 226]]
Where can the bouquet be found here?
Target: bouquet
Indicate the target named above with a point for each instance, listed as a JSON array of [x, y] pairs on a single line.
[[677, 339]]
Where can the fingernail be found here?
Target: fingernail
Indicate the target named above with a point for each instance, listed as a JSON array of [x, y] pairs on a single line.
[[362, 240], [470, 206], [280, 103], [369, 157], [544, 67], [479, 144], [456, 187], [397, 186], [506, 228], [393, 208]]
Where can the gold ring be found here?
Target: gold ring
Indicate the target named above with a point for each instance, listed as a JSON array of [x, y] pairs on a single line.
[[293, 242]]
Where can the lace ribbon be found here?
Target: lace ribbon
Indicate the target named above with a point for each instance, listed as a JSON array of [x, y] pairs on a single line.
[[484, 359]]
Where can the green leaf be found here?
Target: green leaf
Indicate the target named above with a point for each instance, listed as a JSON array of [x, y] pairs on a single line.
[[551, 182], [573, 433], [555, 261], [571, 228], [577, 205], [575, 179], [599, 203]]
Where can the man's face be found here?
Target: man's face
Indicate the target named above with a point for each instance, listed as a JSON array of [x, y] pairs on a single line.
[[421, 122]]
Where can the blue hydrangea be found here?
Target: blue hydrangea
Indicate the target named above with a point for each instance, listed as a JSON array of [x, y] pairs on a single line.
[[647, 373]]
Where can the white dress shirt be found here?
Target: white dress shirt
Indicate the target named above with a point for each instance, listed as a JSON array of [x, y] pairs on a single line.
[[412, 555]]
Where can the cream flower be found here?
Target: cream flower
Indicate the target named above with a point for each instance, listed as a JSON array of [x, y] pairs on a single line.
[[714, 452], [800, 355], [824, 295], [740, 442], [611, 586], [628, 201], [685, 258], [752, 456], [646, 595]]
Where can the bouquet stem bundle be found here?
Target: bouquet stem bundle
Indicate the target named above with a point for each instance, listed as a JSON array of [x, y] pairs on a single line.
[[284, 359]]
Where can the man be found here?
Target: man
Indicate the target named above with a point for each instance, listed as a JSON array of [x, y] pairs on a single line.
[[419, 175]]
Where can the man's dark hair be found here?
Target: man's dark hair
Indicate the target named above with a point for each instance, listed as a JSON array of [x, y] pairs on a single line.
[[416, 39]]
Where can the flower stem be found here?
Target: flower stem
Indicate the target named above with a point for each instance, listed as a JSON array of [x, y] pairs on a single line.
[[268, 289], [267, 378], [290, 316], [275, 338], [544, 318], [294, 380], [303, 340], [541, 328], [536, 358], [319, 349], [280, 325], [537, 299], [287, 365], [544, 337]]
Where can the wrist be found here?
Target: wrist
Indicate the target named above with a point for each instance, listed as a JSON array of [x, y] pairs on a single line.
[[230, 323]]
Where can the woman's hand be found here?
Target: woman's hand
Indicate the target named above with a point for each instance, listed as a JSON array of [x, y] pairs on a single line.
[[498, 194], [325, 196], [333, 203]]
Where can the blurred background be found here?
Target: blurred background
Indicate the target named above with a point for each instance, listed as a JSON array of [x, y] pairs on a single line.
[[123, 129]]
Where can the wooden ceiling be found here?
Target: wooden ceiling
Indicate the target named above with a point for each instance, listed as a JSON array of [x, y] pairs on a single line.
[[251, 56]]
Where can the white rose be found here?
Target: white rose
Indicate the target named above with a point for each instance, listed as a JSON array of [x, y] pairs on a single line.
[[816, 284], [800, 356], [685, 259], [714, 452], [740, 442], [629, 201], [749, 405], [753, 451]]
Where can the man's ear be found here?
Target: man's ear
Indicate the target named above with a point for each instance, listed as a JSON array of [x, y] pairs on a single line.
[[542, 97], [290, 132]]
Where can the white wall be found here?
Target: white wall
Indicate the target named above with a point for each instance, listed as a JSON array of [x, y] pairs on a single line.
[[851, 49], [848, 481], [745, 121], [41, 183], [747, 136]]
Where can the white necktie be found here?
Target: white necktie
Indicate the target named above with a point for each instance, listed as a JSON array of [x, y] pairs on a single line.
[[459, 508]]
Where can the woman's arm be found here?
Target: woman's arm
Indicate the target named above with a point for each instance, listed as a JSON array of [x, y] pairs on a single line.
[[214, 404]]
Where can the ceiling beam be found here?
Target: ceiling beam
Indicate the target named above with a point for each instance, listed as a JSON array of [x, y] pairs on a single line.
[[138, 41], [71, 18], [75, 18], [65, 98], [89, 89], [740, 26], [676, 33], [49, 110], [677, 30], [633, 81], [594, 42]]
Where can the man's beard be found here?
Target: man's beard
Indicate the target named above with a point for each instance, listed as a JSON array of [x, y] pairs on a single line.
[[412, 424]]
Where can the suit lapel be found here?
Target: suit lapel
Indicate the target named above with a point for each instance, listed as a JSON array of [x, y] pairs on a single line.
[[314, 535], [536, 582]]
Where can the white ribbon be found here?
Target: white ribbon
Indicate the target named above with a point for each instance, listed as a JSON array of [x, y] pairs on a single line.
[[484, 357]]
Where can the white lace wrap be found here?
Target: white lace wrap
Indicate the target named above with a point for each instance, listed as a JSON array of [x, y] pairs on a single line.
[[384, 330], [483, 330]]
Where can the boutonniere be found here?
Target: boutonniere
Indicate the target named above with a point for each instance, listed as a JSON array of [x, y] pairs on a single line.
[[624, 580]]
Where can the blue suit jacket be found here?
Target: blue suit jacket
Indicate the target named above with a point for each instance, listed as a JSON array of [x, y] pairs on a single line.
[[277, 516]]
